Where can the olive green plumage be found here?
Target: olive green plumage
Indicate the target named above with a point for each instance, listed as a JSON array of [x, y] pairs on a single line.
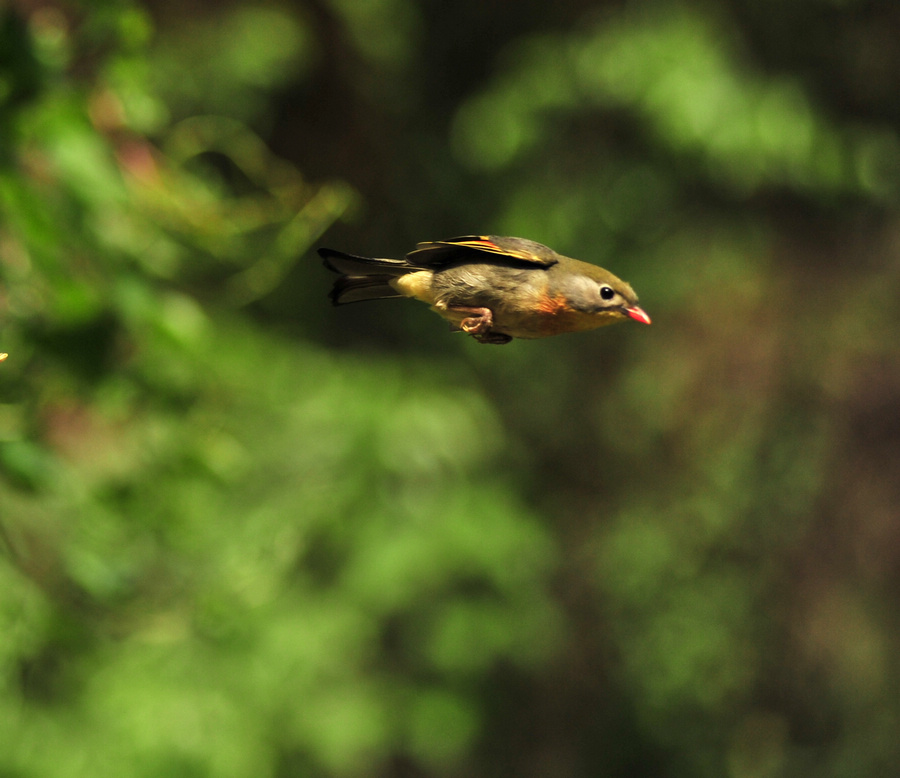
[[493, 288]]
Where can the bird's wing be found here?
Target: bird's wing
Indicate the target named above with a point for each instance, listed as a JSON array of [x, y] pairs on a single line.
[[439, 253]]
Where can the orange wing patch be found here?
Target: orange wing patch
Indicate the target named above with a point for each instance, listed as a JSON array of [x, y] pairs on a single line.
[[485, 244], [480, 243]]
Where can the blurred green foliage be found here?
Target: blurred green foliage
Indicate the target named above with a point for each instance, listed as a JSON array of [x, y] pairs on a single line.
[[245, 535]]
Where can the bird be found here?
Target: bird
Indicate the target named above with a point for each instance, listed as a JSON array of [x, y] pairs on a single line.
[[490, 287]]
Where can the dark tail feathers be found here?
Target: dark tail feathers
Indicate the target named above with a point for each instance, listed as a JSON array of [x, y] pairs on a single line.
[[362, 278]]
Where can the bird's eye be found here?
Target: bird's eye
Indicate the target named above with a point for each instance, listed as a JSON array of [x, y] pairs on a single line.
[[607, 292]]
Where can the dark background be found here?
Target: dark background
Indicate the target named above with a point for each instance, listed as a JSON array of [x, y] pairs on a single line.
[[246, 534]]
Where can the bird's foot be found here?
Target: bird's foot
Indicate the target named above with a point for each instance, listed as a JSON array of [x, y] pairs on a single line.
[[479, 325], [494, 338]]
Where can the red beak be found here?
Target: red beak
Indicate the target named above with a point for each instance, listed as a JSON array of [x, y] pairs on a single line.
[[638, 314]]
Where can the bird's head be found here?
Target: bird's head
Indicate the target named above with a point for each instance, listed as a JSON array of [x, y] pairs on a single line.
[[597, 292]]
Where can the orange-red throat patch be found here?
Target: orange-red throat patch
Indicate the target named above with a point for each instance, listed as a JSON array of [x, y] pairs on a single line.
[[558, 316], [554, 306]]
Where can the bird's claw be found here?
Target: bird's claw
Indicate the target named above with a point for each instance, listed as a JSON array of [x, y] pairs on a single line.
[[479, 326], [494, 338]]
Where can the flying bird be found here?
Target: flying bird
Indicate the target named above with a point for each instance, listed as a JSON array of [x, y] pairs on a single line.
[[490, 287]]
